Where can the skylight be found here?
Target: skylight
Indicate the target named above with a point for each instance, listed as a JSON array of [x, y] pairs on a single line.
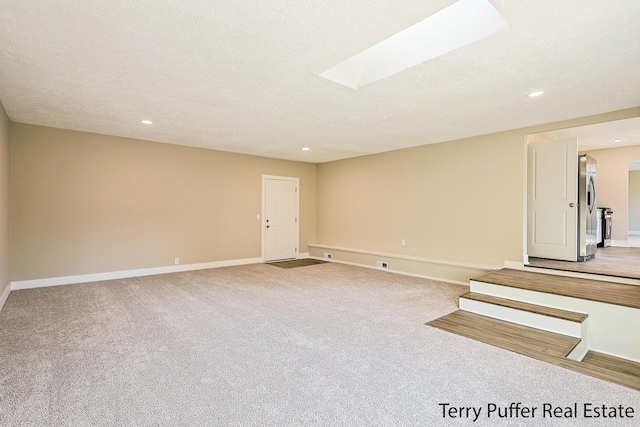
[[455, 26]]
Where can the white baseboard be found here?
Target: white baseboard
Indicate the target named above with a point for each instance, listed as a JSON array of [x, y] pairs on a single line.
[[4, 296], [447, 271], [404, 257], [404, 273], [96, 277], [515, 265], [620, 243]]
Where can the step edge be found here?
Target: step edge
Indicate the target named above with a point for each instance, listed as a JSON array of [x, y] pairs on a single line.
[[524, 318], [574, 341], [594, 371], [559, 313], [561, 294]]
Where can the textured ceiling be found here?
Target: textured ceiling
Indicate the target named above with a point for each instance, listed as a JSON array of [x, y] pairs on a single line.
[[242, 75], [601, 135]]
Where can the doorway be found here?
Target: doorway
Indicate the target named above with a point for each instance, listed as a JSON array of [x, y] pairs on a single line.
[[280, 213], [615, 144]]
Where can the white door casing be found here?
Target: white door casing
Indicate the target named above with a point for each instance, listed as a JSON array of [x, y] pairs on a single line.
[[552, 199], [280, 214]]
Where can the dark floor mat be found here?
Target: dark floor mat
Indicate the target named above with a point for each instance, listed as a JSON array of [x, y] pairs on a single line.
[[297, 263]]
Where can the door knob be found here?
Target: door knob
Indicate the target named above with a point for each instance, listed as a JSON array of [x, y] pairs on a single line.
[[571, 204]]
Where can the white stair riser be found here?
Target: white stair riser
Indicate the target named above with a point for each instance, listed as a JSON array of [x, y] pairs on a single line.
[[613, 329], [580, 351], [534, 320]]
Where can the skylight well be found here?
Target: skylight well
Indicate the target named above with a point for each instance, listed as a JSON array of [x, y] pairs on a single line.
[[455, 26]]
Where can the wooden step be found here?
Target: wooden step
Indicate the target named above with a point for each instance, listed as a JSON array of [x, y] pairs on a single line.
[[586, 289], [521, 339], [613, 308], [570, 316], [541, 345]]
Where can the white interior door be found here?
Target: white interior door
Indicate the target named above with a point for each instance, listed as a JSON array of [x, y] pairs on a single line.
[[552, 199], [280, 218]]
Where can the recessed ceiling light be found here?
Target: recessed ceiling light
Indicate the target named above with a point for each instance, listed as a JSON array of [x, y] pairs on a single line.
[[617, 140], [146, 122], [305, 149], [458, 25], [536, 93]]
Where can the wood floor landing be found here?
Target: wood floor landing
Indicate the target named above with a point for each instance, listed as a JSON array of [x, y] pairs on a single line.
[[537, 344], [612, 261], [587, 289], [613, 363]]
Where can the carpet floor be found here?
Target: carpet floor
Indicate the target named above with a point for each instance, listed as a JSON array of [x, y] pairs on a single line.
[[324, 345]]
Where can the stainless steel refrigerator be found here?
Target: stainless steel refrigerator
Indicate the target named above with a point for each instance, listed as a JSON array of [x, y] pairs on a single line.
[[587, 212]]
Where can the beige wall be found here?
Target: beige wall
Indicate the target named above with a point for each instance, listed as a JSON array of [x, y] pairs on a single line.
[[449, 201], [613, 185], [4, 203], [460, 201], [85, 203], [634, 201]]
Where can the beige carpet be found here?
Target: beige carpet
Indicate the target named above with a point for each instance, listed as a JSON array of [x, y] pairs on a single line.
[[325, 345]]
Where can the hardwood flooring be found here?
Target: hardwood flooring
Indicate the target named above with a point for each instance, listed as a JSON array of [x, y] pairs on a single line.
[[588, 289], [631, 381], [543, 345], [612, 261], [510, 336], [538, 344], [612, 363]]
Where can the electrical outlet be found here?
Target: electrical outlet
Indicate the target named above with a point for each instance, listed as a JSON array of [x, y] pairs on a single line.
[[327, 255], [177, 261], [404, 242], [382, 264]]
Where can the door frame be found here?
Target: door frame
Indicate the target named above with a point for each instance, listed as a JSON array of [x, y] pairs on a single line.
[[263, 223], [525, 201]]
